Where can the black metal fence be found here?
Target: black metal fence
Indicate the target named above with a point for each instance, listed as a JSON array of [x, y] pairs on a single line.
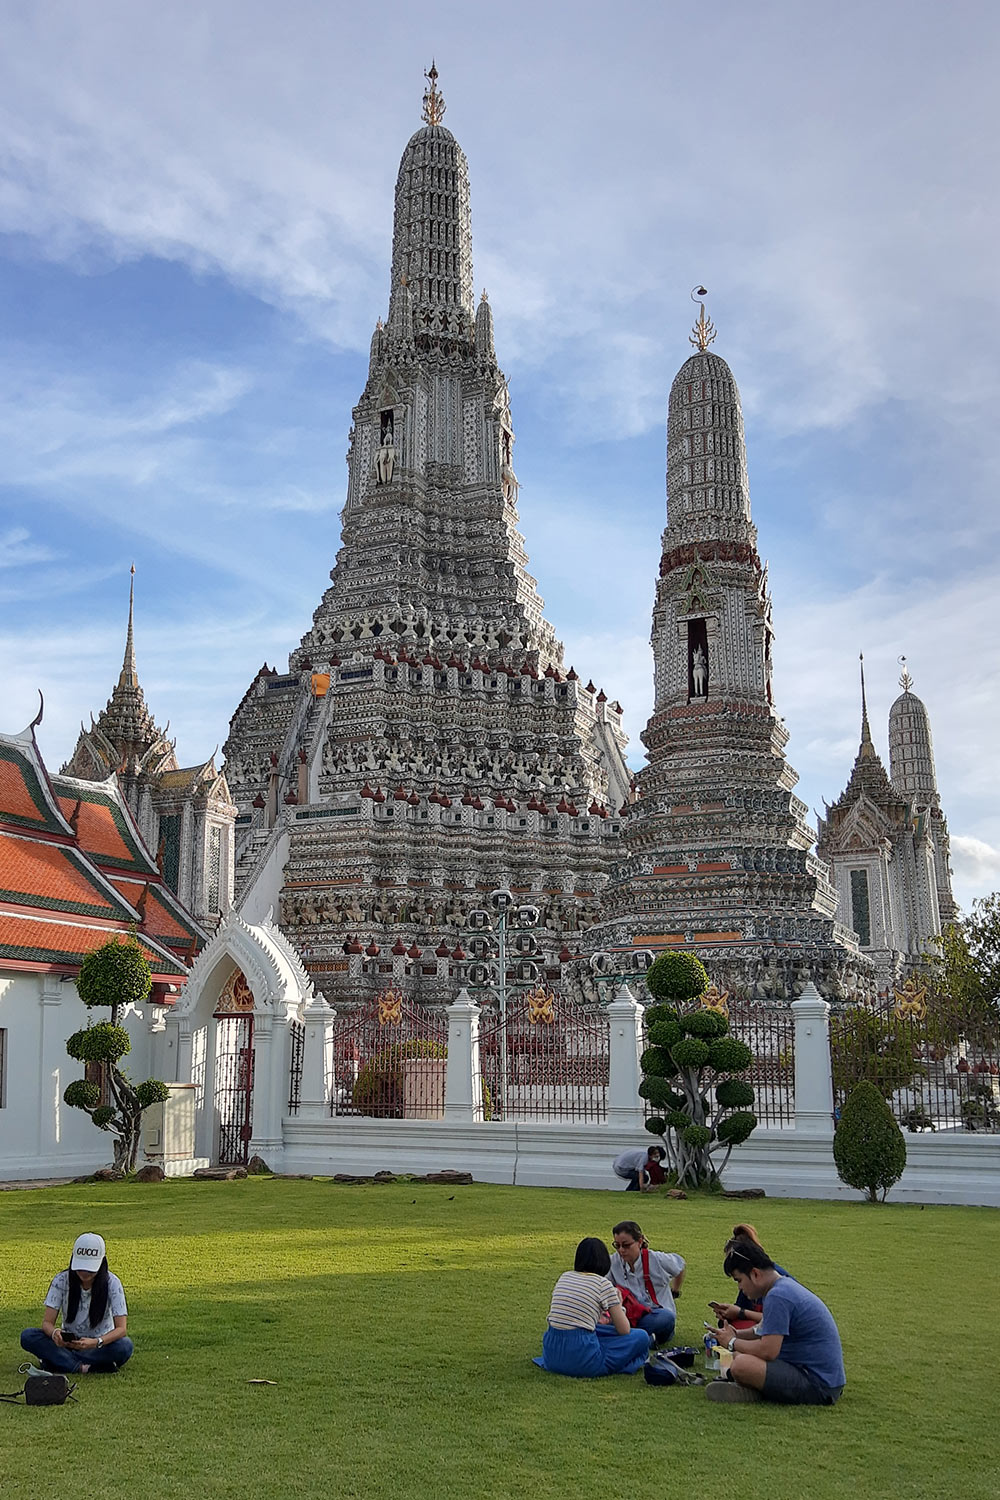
[[546, 1059], [389, 1060], [297, 1036], [935, 1060]]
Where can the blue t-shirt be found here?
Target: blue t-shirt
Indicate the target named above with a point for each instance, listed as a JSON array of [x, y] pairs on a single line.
[[810, 1337]]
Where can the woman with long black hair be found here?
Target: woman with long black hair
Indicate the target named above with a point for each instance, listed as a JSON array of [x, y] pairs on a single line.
[[581, 1301], [90, 1302]]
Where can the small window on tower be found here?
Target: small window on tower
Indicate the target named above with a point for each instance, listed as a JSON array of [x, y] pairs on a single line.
[[861, 907]]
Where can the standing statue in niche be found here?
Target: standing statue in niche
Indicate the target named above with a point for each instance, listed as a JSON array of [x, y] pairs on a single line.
[[699, 672], [385, 459]]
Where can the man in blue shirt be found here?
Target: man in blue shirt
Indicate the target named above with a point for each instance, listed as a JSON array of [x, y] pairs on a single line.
[[794, 1354]]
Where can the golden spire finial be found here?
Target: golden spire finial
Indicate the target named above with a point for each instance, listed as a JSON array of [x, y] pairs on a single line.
[[905, 680], [434, 105], [704, 329]]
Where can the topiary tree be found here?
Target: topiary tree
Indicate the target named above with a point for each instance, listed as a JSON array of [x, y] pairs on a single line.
[[115, 975], [689, 1048], [868, 1145]]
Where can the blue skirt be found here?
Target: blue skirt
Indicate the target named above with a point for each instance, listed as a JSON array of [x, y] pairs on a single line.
[[575, 1351]]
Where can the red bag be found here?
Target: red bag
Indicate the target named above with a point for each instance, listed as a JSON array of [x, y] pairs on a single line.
[[635, 1310]]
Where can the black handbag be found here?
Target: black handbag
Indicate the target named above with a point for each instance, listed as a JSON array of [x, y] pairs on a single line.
[[43, 1389]]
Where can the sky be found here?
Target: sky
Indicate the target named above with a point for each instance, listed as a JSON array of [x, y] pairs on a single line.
[[195, 232]]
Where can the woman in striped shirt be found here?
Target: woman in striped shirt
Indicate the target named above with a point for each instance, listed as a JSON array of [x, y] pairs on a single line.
[[584, 1300]]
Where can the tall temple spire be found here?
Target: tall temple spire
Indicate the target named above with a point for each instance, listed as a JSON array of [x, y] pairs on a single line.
[[867, 750], [129, 677]]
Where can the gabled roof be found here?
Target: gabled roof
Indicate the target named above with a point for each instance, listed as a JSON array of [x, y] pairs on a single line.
[[26, 799], [64, 944], [163, 917], [103, 824], [57, 877]]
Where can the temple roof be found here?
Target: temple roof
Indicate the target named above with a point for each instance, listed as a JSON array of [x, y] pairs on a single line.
[[74, 872]]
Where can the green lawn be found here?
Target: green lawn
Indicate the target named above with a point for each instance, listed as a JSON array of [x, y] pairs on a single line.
[[400, 1321]]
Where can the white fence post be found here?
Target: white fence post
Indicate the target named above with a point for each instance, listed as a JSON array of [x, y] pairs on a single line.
[[813, 1071], [625, 1032], [463, 1084], [317, 1018]]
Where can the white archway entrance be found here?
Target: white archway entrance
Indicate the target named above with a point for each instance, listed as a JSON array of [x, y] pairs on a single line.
[[232, 1039]]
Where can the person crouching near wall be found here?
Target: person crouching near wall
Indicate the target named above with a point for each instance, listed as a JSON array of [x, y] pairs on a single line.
[[90, 1302], [793, 1355]]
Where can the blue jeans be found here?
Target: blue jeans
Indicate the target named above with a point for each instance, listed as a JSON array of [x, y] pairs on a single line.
[[68, 1361], [659, 1324]]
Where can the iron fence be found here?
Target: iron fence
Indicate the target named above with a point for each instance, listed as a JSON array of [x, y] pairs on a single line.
[[936, 1061], [769, 1032], [389, 1060], [547, 1059], [297, 1036]]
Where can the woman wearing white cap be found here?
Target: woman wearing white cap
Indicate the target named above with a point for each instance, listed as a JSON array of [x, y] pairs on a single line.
[[90, 1301]]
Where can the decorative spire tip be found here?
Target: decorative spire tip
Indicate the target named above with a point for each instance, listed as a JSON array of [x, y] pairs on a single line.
[[905, 680], [703, 332], [434, 105]]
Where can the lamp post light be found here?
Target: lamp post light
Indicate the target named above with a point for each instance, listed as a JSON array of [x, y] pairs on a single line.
[[617, 969], [503, 931]]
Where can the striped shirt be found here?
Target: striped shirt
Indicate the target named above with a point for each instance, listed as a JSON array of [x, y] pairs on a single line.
[[579, 1298]]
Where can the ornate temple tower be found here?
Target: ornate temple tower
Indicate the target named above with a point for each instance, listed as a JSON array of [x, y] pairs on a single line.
[[718, 852], [911, 766], [882, 858], [428, 742], [185, 814]]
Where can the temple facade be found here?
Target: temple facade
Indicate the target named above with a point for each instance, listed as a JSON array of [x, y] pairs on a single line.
[[185, 814], [886, 841], [428, 742], [716, 853]]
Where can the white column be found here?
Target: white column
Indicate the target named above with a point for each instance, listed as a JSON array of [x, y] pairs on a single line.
[[813, 1072], [625, 1108], [318, 1018], [270, 1083], [463, 1087]]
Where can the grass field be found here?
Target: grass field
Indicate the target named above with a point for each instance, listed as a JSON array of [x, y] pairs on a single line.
[[400, 1321]]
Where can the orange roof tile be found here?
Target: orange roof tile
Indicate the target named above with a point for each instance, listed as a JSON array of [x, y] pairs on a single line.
[[22, 800], [161, 921], [33, 873], [102, 830], [28, 940]]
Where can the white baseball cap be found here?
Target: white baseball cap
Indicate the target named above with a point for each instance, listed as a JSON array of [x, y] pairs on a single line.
[[88, 1253]]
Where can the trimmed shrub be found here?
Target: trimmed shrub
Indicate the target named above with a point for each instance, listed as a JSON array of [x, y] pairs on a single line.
[[83, 1094], [656, 1126], [734, 1093], [868, 1146], [736, 1128], [696, 1135], [657, 1090], [100, 1043], [727, 1055], [706, 1024], [114, 974], [677, 976], [663, 1033], [690, 1053], [657, 1060]]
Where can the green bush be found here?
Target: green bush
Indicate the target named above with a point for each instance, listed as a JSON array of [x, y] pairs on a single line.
[[706, 1024], [696, 1135], [656, 1126], [661, 1013], [868, 1146], [677, 976], [657, 1090], [83, 1094], [728, 1055], [100, 1043], [679, 1120], [152, 1092], [690, 1053], [736, 1128], [663, 1033], [657, 1060], [102, 1116], [114, 974], [734, 1093]]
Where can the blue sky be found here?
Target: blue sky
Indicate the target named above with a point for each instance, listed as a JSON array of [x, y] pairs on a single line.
[[195, 221]]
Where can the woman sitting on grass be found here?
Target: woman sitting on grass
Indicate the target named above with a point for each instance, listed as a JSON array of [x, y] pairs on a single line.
[[91, 1303], [653, 1277], [743, 1313], [581, 1300]]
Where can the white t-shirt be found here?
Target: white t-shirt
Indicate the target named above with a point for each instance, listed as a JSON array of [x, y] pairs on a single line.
[[579, 1298], [58, 1297]]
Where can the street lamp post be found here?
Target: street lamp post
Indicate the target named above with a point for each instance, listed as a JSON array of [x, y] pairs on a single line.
[[511, 926]]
